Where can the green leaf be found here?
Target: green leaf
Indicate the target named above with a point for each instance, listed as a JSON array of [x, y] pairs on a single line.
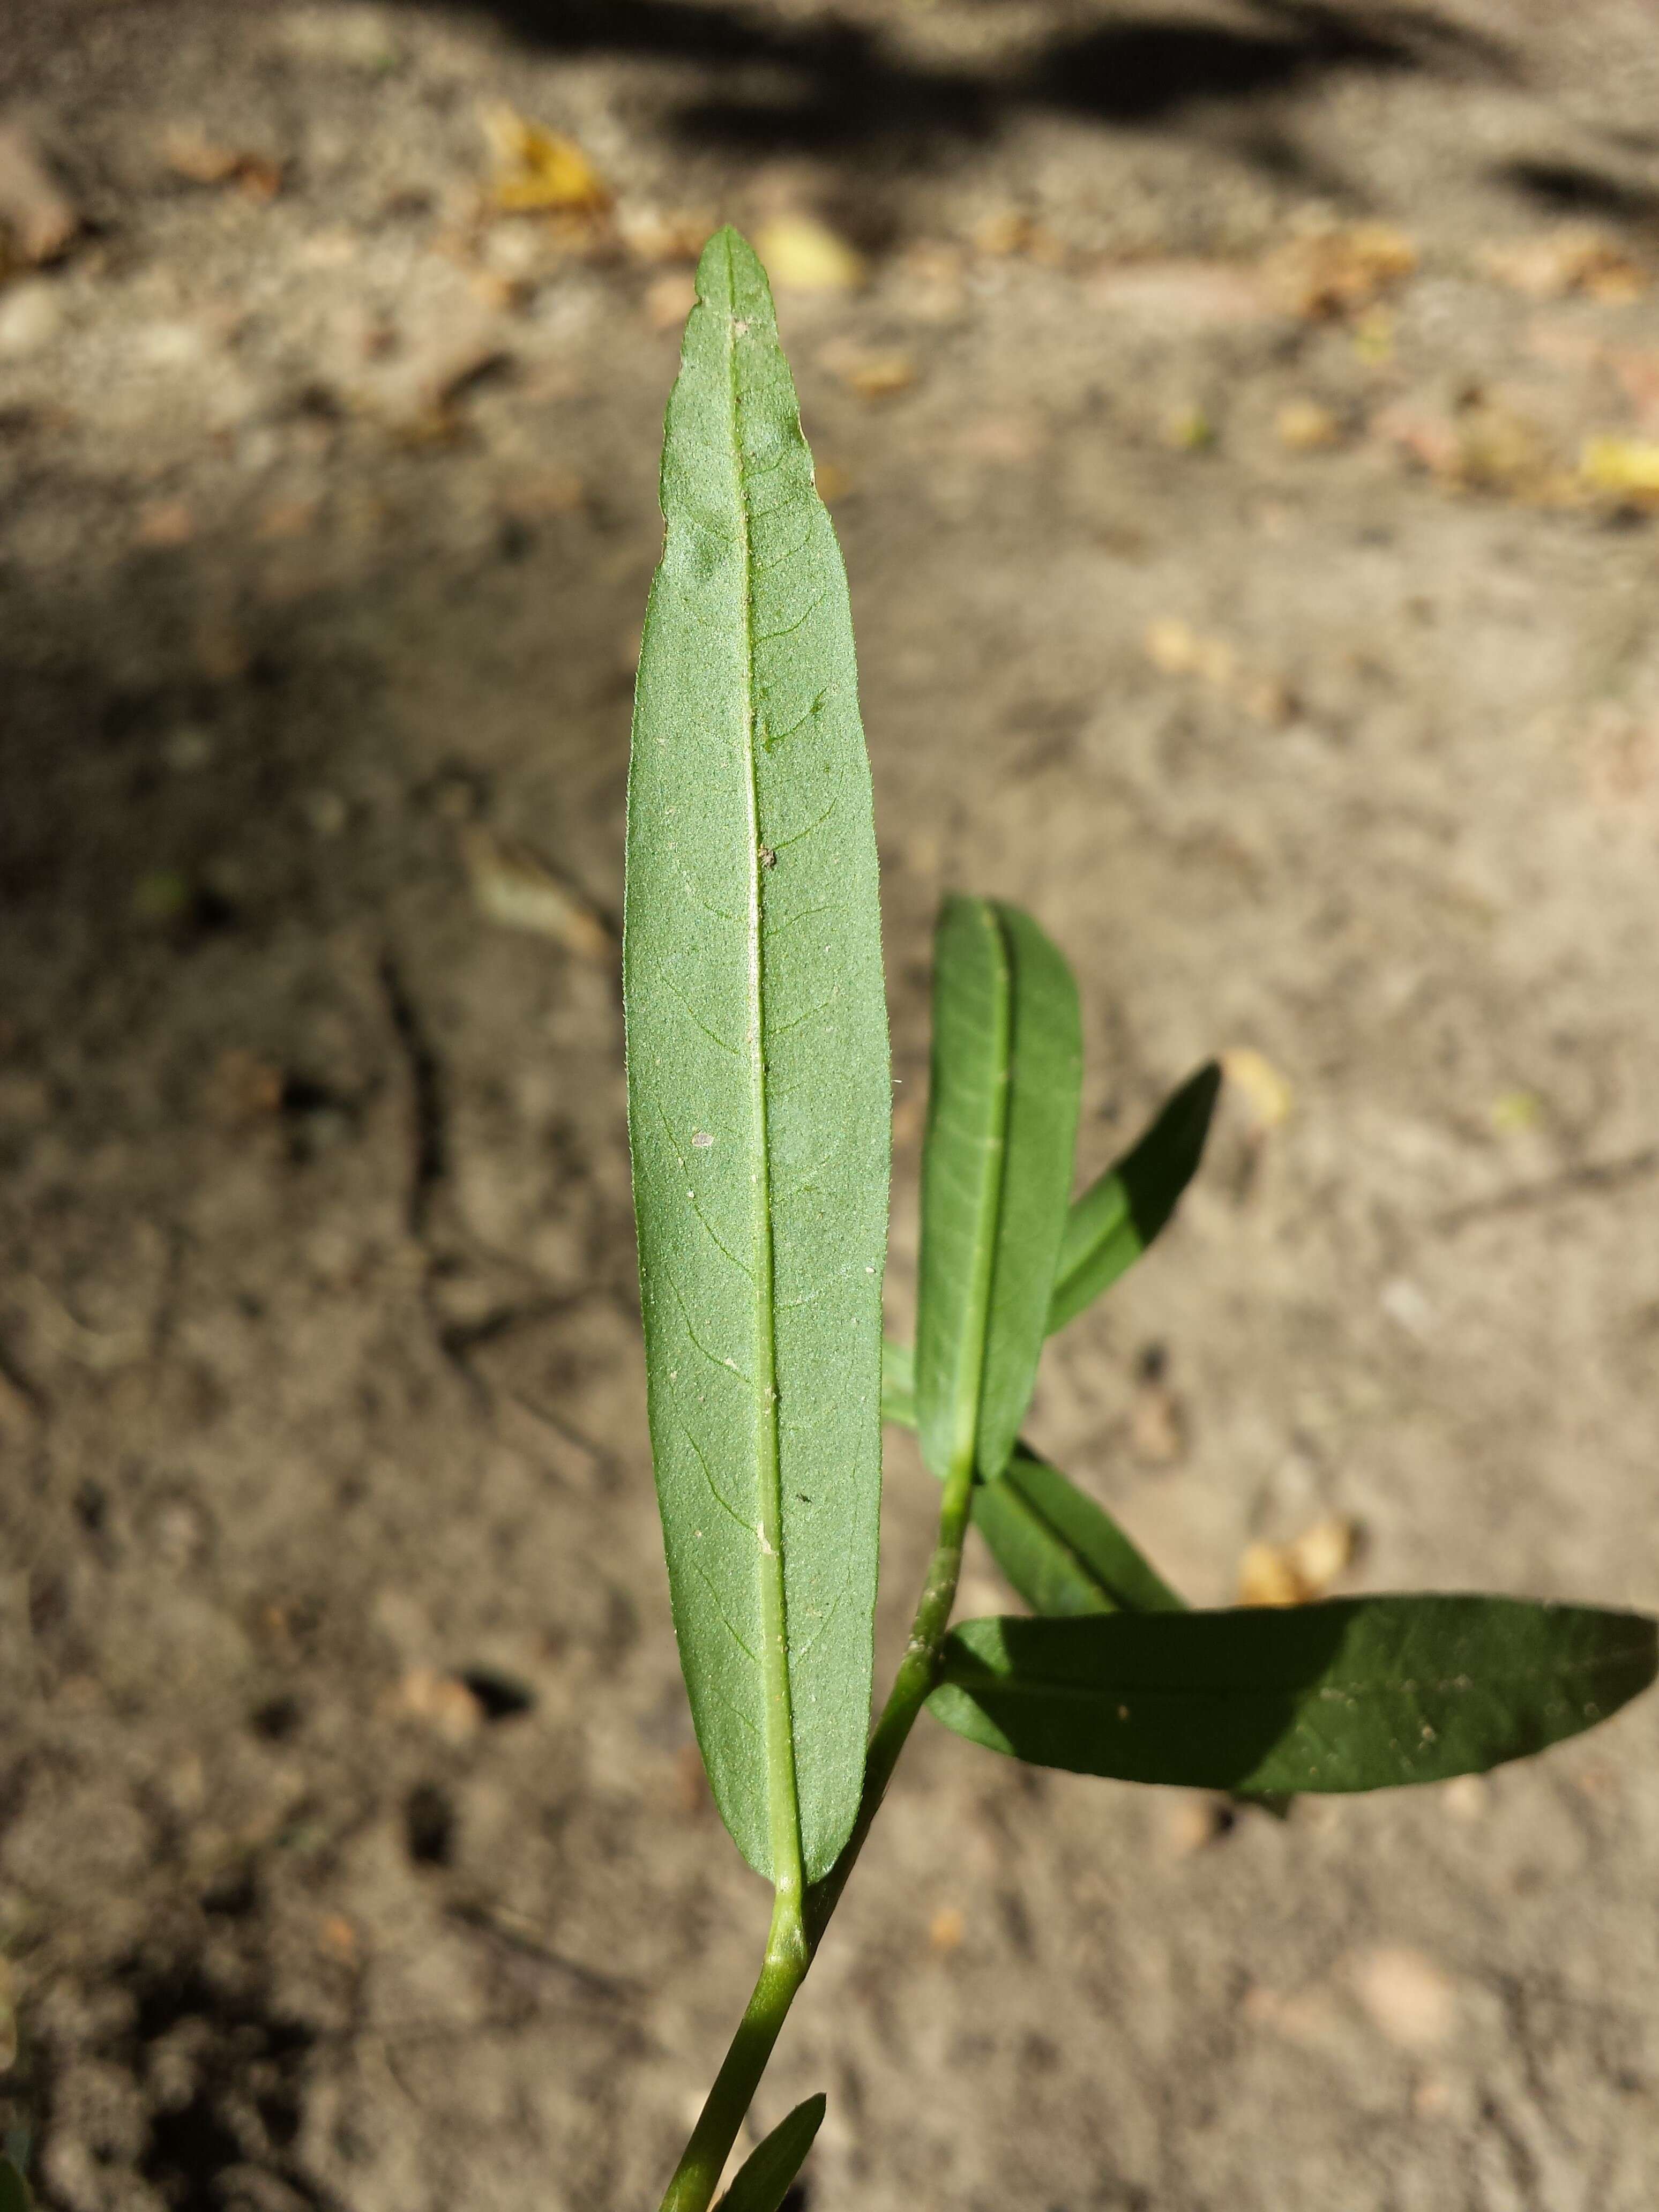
[[758, 1092], [996, 1168], [15, 2195], [764, 2178], [1118, 1215], [898, 1383], [1061, 1552], [1058, 1549], [1360, 1693]]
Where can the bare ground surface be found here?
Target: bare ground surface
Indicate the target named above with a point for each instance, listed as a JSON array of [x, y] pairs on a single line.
[[1328, 735]]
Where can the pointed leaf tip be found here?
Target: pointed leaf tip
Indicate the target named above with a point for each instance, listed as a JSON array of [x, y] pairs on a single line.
[[767, 2173]]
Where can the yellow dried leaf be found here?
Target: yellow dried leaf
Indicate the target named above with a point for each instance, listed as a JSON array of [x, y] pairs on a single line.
[[1265, 1576], [1627, 468], [538, 172], [1266, 1093], [802, 255], [1516, 1110], [1297, 1572], [1306, 426]]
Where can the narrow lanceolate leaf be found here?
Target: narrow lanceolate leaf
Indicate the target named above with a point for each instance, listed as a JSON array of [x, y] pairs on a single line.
[[766, 2175], [757, 1091], [1061, 1552], [1361, 1693], [996, 1170], [1118, 1215]]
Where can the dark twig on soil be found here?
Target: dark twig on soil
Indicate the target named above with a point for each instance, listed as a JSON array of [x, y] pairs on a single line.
[[428, 1105]]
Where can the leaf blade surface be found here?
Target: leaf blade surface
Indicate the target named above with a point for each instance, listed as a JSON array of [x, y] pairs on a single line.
[[1121, 1214], [996, 1170], [759, 1091], [1063, 1553], [1358, 1694], [766, 2176]]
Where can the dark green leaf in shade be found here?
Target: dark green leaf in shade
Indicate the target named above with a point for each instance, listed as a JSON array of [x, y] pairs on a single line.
[[996, 1168], [1118, 1216], [759, 1100], [1358, 1693], [764, 2178], [1060, 1550], [15, 2195]]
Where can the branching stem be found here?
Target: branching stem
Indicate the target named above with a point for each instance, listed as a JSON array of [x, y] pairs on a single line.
[[792, 1944]]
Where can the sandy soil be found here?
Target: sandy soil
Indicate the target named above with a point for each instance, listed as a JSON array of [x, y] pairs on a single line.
[[1230, 590]]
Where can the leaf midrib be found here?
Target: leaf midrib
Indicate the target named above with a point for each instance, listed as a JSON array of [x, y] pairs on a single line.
[[782, 1794]]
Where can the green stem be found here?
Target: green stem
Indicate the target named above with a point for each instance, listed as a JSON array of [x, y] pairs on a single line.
[[790, 1948], [697, 2176], [913, 1685]]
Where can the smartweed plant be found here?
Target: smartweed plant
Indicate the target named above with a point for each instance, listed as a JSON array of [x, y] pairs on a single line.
[[759, 1109]]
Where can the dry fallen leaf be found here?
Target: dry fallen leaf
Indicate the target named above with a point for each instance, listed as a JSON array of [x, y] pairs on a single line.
[[191, 154], [1306, 426], [512, 887], [442, 1702], [946, 1929], [1574, 259], [1266, 1092], [537, 171], [38, 220], [1297, 1572], [802, 255], [1625, 469], [1485, 444], [1334, 273]]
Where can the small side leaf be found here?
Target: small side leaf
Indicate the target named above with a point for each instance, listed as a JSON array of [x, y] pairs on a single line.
[[1360, 1693], [1058, 1549], [1118, 1215], [996, 1168], [1061, 1552], [15, 2195], [764, 2178], [898, 1383]]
